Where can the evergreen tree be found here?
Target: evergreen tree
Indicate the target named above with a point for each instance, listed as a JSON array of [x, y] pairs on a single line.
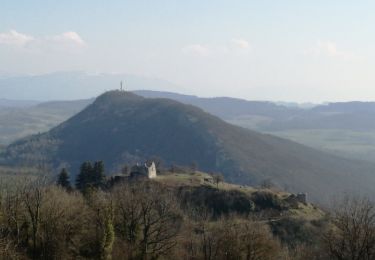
[[83, 179], [125, 170], [90, 176], [98, 175], [63, 179]]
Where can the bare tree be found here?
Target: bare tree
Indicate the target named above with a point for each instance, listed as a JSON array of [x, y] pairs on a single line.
[[8, 250], [231, 238], [63, 220], [148, 218], [256, 241], [13, 212], [33, 198], [353, 233], [267, 184], [193, 167], [127, 217], [218, 178], [102, 216]]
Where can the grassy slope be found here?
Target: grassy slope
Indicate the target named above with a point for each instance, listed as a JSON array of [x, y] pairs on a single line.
[[348, 143], [303, 211]]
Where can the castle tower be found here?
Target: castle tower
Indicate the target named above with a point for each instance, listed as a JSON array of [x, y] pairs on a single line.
[[151, 170]]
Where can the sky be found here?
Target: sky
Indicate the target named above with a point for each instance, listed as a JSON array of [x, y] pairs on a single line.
[[289, 50]]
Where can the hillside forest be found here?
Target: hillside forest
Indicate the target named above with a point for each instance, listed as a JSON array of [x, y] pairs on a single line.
[[181, 214]]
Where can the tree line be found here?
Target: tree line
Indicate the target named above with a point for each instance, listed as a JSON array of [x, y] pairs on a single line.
[[150, 220], [90, 176]]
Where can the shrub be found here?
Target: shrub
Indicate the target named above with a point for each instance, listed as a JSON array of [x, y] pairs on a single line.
[[267, 200], [219, 202]]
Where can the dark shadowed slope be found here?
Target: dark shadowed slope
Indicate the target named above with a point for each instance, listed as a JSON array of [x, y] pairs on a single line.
[[121, 127]]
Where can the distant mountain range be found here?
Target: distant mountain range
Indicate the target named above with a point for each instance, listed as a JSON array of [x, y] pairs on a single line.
[[269, 116], [73, 85], [9, 103], [121, 127], [342, 128], [346, 128], [227, 108]]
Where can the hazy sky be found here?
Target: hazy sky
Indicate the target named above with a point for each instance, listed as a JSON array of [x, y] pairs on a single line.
[[291, 50]]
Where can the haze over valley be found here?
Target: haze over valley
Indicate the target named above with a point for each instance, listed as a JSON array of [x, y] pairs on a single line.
[[342, 128]]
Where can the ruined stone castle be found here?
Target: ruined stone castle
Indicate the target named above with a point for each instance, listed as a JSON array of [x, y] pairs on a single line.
[[145, 170]]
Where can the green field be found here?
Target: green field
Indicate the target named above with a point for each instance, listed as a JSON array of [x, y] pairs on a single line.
[[348, 143], [18, 123]]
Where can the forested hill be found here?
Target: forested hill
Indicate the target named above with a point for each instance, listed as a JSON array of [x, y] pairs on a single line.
[[121, 127]]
